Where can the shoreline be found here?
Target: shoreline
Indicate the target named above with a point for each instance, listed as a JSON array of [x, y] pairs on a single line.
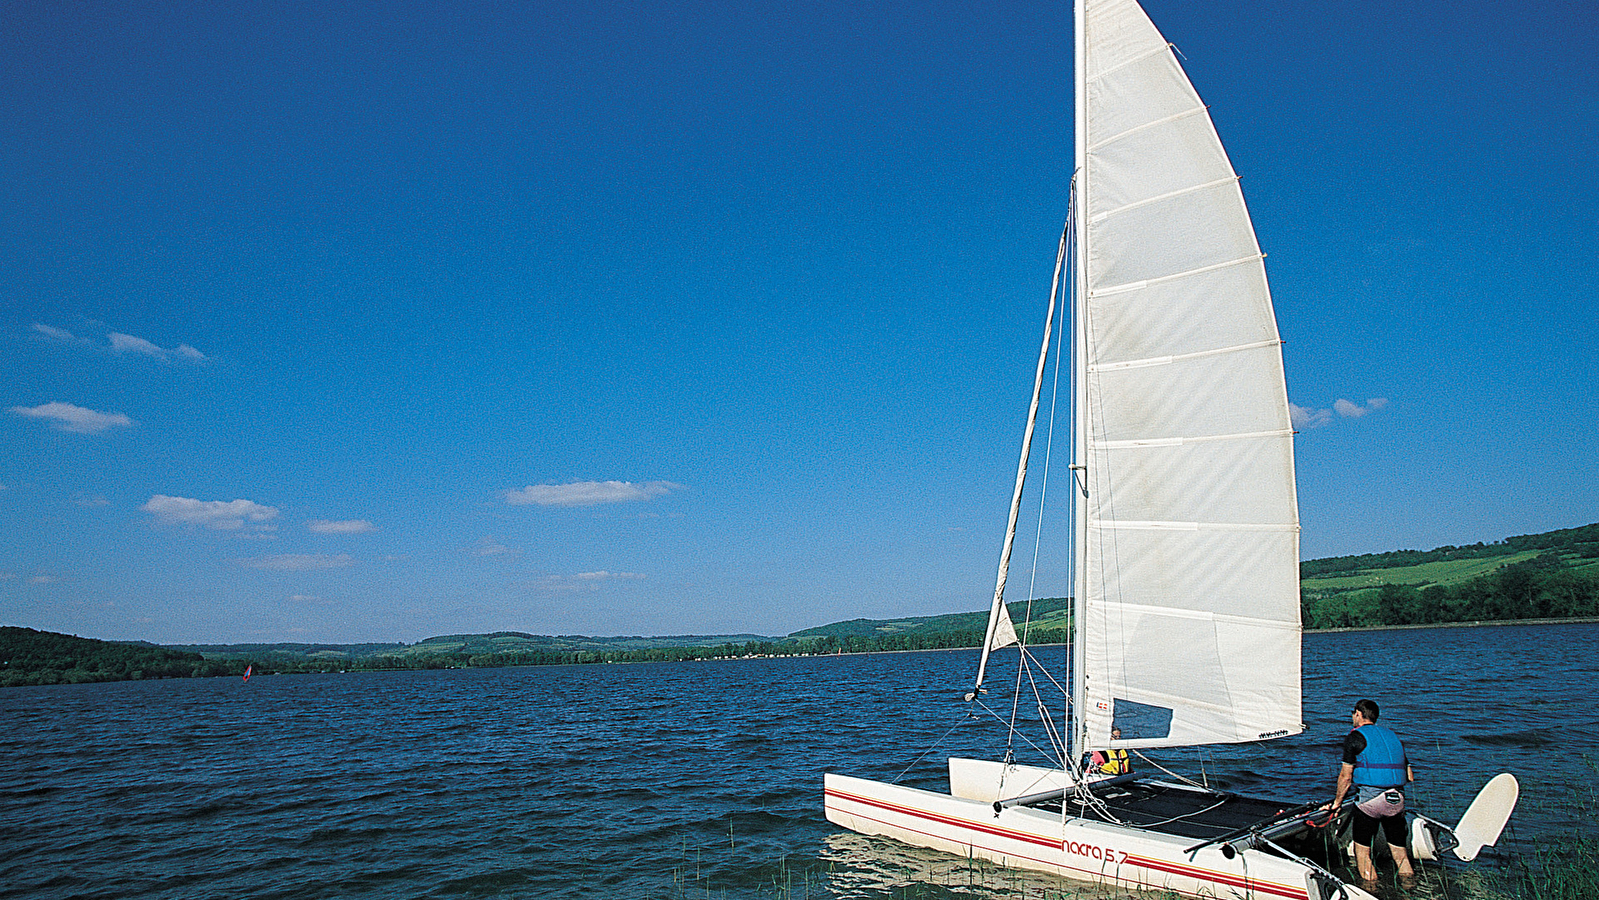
[[1475, 623]]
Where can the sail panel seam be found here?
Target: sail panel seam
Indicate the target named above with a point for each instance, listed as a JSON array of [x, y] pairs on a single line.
[[1202, 616], [1145, 525]]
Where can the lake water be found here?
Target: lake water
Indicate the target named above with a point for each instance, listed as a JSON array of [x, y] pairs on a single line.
[[673, 780]]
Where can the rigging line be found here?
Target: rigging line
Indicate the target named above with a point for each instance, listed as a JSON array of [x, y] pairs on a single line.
[[1182, 778], [1047, 721], [1049, 447], [1045, 669], [1187, 815], [996, 610], [1088, 800], [965, 717], [1050, 729], [1016, 693], [1025, 739], [1062, 254]]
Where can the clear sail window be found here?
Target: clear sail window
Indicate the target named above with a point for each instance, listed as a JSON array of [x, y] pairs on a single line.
[[1140, 721]]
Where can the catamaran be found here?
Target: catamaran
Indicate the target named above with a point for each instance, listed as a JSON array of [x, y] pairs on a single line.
[[1185, 528]]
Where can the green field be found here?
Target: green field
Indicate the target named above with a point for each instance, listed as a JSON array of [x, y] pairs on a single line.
[[1453, 571]]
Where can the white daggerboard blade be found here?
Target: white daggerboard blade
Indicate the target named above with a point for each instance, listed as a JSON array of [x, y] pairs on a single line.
[[1487, 815]]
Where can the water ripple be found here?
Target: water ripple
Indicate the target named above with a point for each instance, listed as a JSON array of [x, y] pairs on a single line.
[[661, 780]]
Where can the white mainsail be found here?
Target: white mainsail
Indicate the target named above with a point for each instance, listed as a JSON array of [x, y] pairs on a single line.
[[1188, 556]]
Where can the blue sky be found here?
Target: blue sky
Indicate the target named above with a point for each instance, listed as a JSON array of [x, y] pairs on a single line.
[[362, 321]]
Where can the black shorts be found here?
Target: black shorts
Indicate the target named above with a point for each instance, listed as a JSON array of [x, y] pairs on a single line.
[[1393, 828]]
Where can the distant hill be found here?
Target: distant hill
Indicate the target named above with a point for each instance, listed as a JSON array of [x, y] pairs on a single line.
[[461, 645], [1053, 614], [1549, 575], [44, 657], [1575, 542]]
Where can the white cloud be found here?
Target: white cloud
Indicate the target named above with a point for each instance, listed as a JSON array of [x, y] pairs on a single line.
[[75, 419], [582, 581], [121, 343], [603, 575], [1354, 411], [1305, 418], [589, 493], [350, 526], [219, 514], [56, 334], [299, 562], [127, 343], [491, 547]]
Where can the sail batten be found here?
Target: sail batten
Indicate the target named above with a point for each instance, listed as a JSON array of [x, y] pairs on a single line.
[[1179, 441], [1169, 195], [1191, 111], [1099, 292], [1168, 360]]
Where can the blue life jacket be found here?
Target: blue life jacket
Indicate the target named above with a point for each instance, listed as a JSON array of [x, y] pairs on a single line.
[[1382, 764]]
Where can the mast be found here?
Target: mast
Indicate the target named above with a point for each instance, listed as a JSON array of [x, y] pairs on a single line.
[[1079, 297]]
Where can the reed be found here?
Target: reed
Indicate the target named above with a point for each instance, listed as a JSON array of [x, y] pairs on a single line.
[[1563, 868]]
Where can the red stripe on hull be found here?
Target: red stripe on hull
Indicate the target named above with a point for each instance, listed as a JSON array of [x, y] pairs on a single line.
[[1155, 865]]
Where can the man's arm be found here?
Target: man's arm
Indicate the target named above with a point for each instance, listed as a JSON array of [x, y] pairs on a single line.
[[1346, 779]]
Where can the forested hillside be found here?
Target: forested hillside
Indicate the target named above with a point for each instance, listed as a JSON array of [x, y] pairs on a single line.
[[42, 657], [1550, 575]]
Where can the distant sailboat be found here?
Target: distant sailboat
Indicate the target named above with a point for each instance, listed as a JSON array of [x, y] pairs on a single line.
[[1185, 536]]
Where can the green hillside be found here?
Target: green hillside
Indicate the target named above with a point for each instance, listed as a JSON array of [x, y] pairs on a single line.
[[519, 642], [1052, 614], [1580, 542], [44, 657], [1549, 575]]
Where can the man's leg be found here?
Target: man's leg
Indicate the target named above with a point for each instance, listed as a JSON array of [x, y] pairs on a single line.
[[1392, 826], [1364, 831], [1363, 864]]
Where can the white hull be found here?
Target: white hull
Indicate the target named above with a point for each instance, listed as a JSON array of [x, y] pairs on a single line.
[[1081, 849]]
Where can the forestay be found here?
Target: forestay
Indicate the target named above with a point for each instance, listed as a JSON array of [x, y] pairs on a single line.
[[1189, 560]]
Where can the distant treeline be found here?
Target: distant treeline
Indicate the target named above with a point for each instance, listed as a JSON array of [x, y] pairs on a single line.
[[1558, 582], [39, 657], [42, 657], [823, 646], [1538, 588]]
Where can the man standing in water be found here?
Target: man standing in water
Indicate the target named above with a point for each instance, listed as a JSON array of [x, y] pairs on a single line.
[[1376, 765]]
